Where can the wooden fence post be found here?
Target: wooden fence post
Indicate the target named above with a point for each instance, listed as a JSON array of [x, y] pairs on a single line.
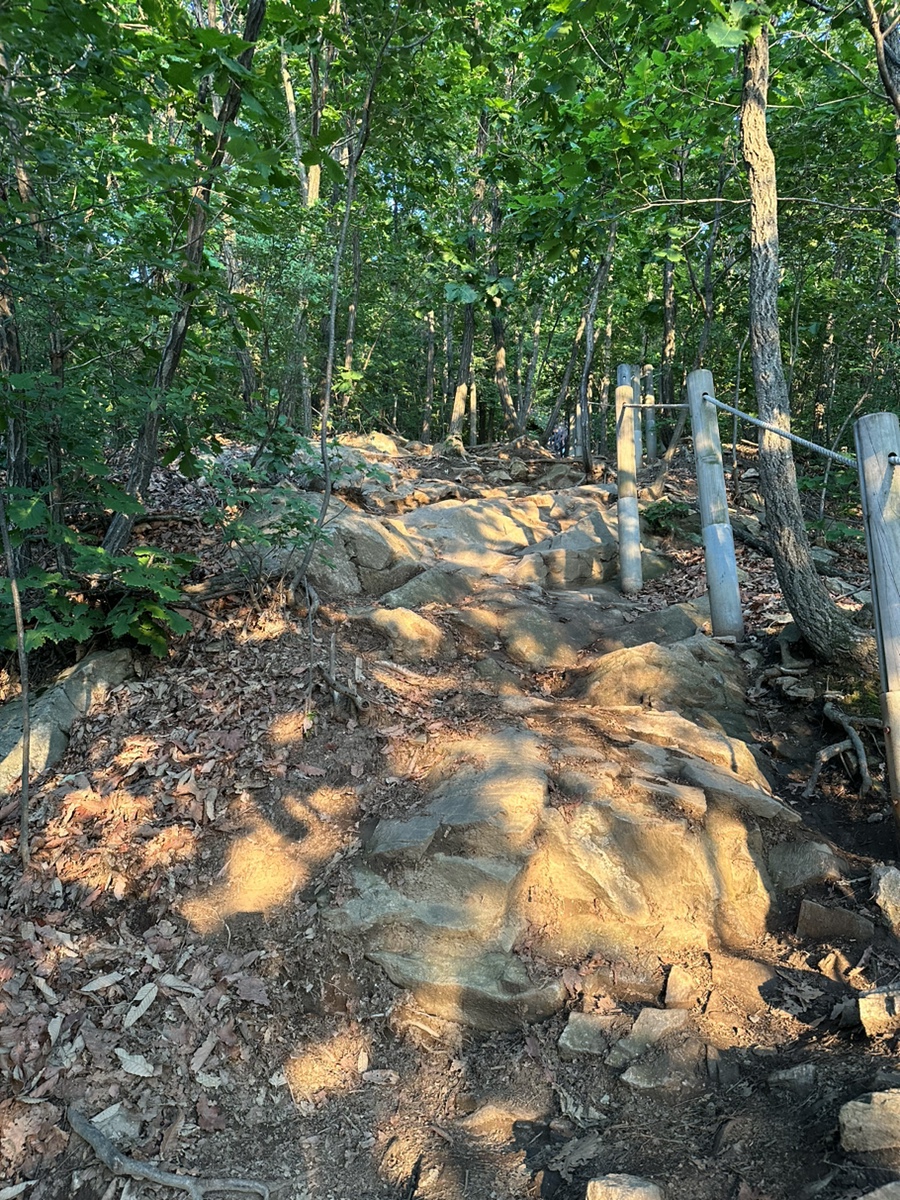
[[649, 411], [631, 574], [718, 539], [877, 448]]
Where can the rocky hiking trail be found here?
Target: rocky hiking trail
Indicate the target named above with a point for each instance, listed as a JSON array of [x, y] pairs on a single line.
[[474, 879]]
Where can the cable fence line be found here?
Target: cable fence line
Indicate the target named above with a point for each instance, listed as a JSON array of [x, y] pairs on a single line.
[[790, 437], [877, 461]]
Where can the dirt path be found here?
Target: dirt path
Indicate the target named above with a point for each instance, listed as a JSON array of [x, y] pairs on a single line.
[[235, 855]]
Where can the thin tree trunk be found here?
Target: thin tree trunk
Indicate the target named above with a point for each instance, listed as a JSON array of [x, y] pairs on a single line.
[[296, 142], [429, 377], [458, 413], [667, 358], [351, 321], [563, 393], [355, 157], [24, 845], [498, 329], [606, 379], [527, 396], [145, 452], [447, 374], [590, 340], [830, 635]]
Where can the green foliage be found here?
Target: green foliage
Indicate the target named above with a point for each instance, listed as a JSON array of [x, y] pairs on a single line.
[[834, 532], [667, 516], [128, 595], [267, 525]]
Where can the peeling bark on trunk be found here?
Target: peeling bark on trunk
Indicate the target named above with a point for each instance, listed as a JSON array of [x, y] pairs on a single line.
[[830, 635]]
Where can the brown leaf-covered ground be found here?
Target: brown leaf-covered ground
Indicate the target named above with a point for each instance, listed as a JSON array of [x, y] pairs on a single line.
[[163, 959]]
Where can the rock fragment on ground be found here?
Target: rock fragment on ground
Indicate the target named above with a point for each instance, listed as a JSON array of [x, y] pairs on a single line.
[[822, 924], [795, 865], [886, 888], [871, 1122], [623, 1187], [589, 1033], [879, 1011]]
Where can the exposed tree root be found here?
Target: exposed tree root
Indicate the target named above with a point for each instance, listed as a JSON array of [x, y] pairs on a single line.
[[117, 1162], [852, 742]]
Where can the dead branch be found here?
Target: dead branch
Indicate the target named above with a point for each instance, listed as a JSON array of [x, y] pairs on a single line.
[[117, 1162]]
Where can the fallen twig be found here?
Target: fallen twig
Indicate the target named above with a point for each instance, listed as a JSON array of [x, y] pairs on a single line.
[[120, 1164]]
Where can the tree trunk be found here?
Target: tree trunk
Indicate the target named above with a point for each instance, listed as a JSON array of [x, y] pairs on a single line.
[[145, 452], [606, 380], [291, 104], [566, 381], [498, 328], [829, 634], [351, 322], [667, 358], [429, 377], [528, 394], [454, 429], [590, 340]]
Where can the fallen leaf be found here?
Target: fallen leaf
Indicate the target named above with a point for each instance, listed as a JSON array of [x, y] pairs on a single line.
[[208, 1117], [308, 769], [134, 1064], [252, 988], [142, 1001], [101, 982]]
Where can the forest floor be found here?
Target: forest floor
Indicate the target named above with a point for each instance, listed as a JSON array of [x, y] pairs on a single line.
[[164, 961]]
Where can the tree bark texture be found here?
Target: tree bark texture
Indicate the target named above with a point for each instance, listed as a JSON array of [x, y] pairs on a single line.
[[829, 634]]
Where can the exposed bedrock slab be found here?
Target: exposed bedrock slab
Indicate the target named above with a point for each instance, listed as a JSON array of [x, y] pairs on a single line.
[[502, 525], [488, 991], [449, 895], [436, 585], [54, 713], [693, 676], [671, 730]]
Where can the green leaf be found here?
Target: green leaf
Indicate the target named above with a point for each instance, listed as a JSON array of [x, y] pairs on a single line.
[[725, 37]]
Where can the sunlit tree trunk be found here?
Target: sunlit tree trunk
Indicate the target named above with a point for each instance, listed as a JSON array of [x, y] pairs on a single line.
[[830, 635]]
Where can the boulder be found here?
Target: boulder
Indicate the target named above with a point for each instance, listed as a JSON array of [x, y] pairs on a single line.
[[413, 638], [728, 792], [824, 924], [692, 676], [436, 585], [879, 1011], [535, 638], [53, 714]]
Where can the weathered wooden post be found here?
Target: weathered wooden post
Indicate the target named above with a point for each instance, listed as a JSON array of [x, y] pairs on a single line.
[[631, 574], [638, 423], [718, 539], [878, 452], [649, 411]]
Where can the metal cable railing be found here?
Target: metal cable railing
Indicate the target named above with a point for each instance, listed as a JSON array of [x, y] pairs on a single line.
[[791, 437]]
